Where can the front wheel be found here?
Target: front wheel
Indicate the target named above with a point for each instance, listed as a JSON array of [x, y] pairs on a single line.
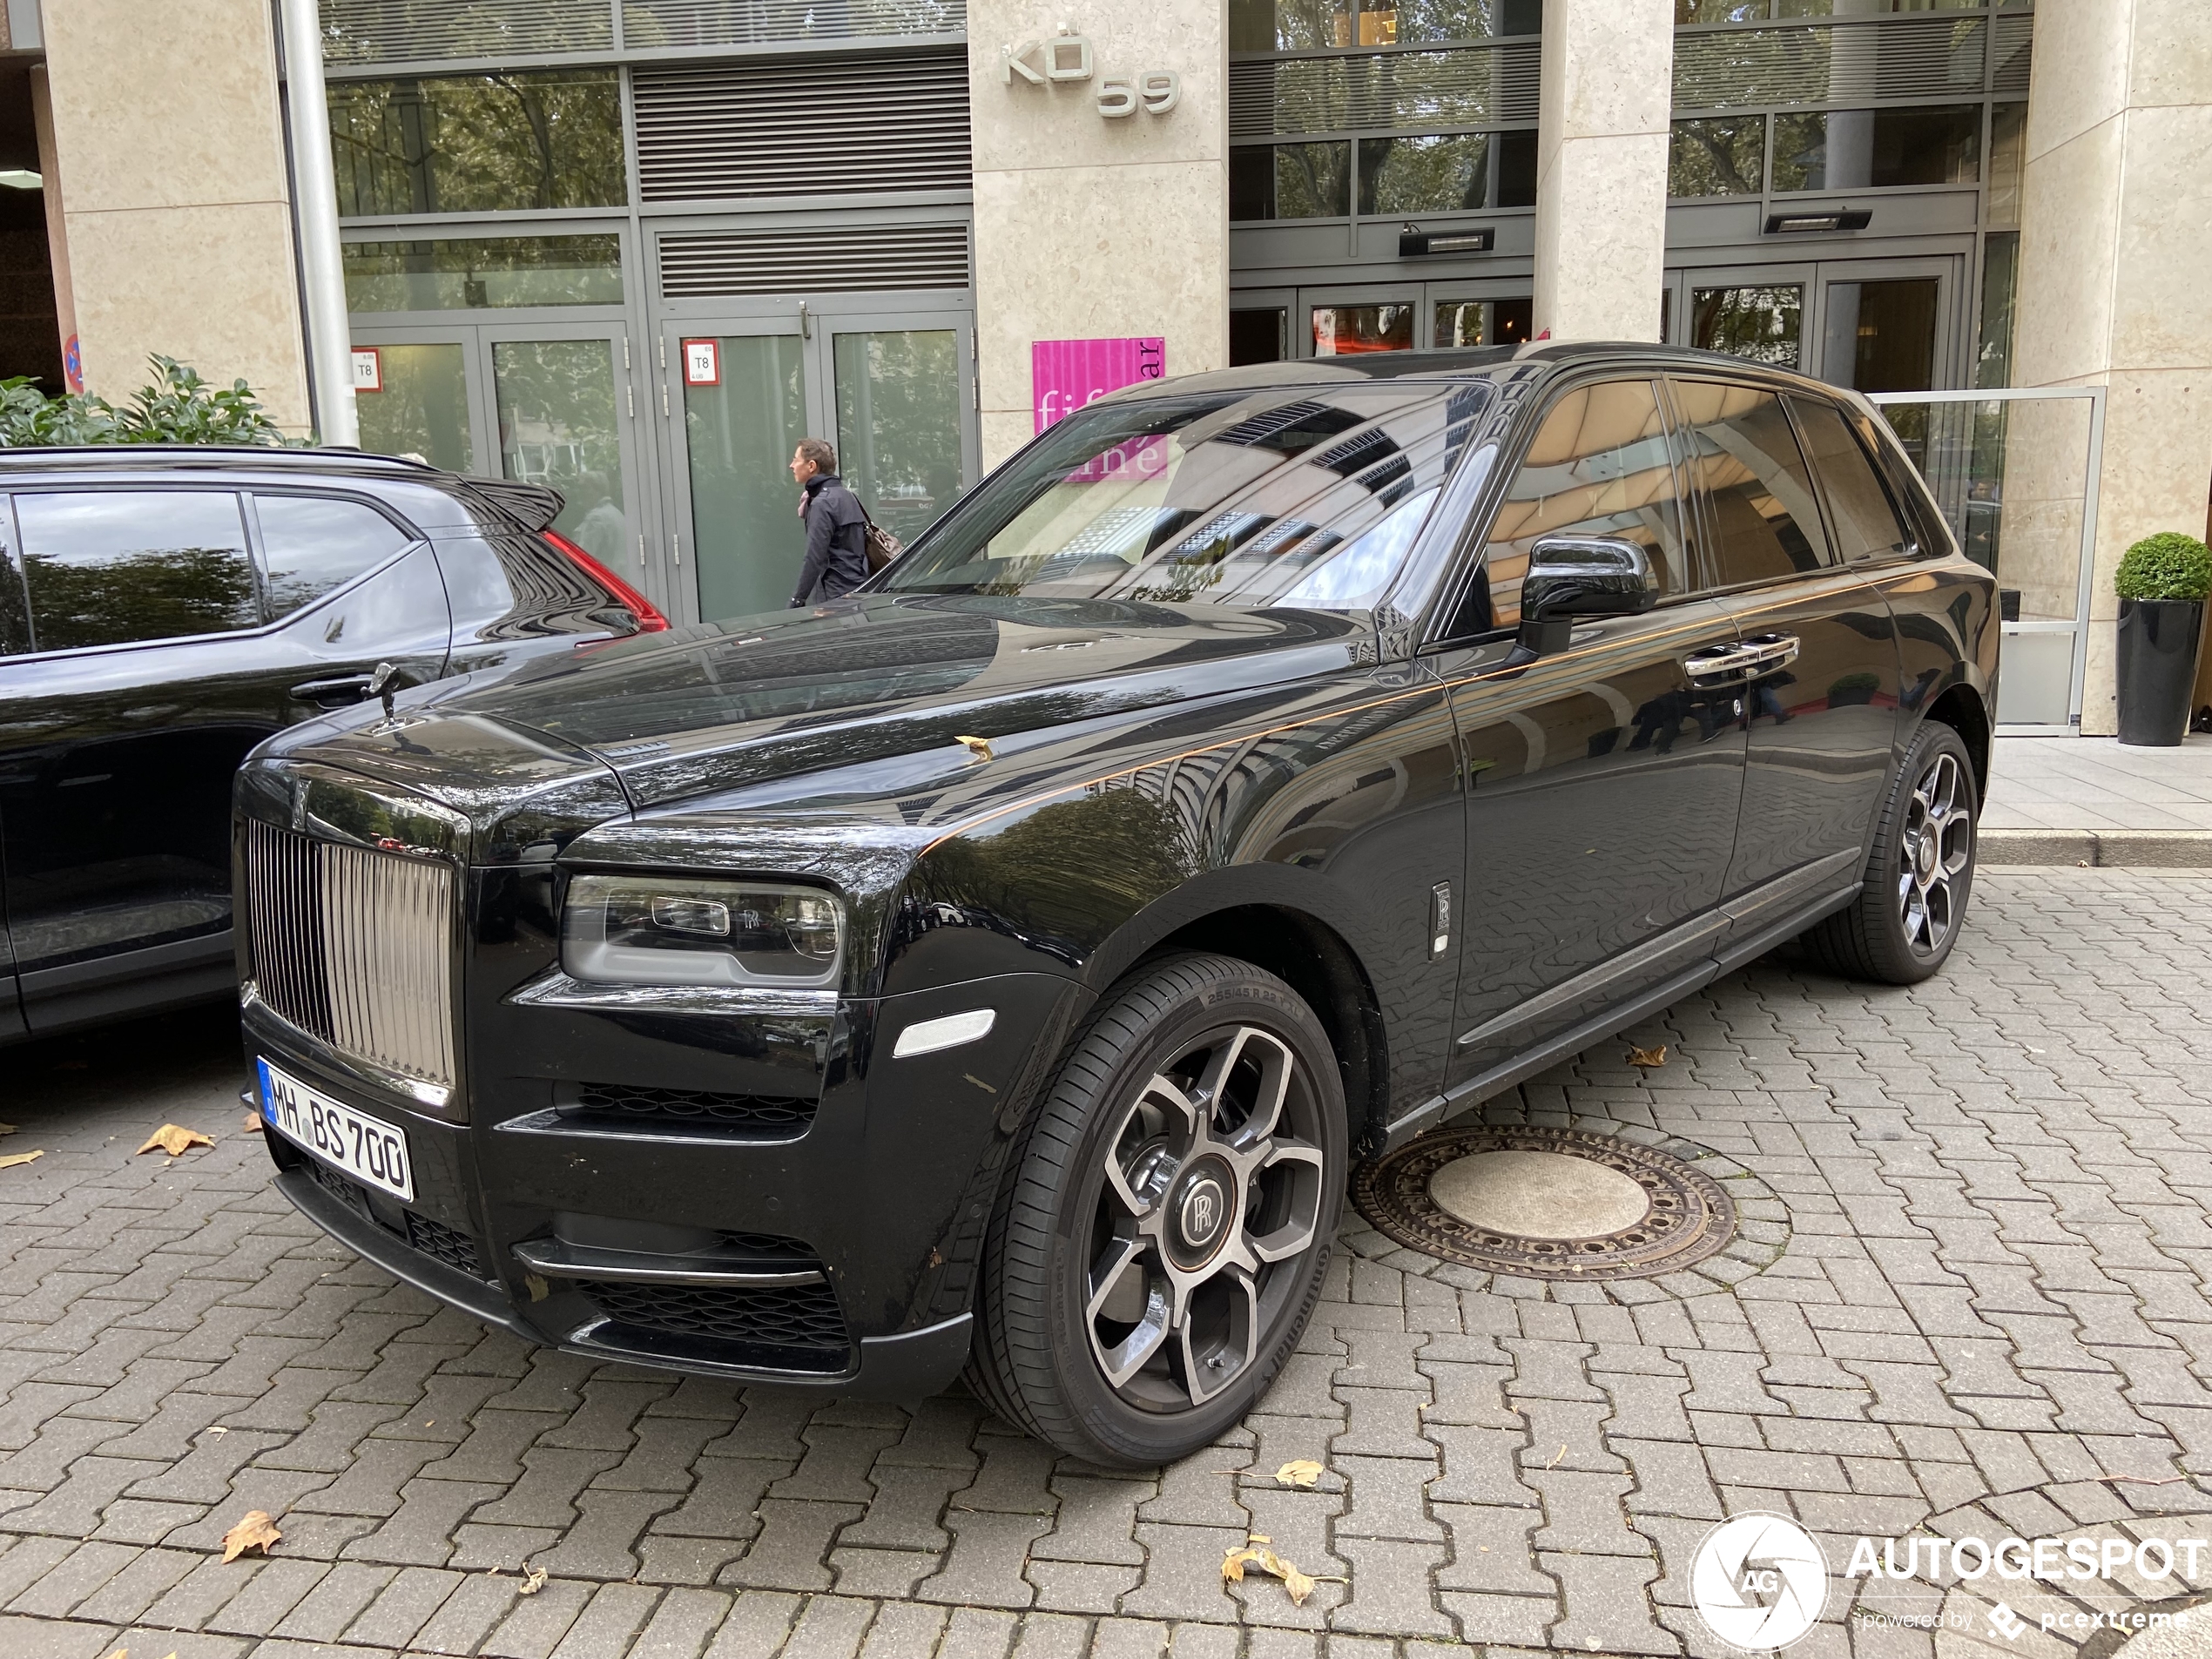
[[1901, 927], [1163, 1238]]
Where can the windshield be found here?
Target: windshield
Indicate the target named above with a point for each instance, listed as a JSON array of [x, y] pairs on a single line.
[[1299, 496]]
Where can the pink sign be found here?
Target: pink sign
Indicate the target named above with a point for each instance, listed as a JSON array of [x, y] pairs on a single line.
[[1064, 374]]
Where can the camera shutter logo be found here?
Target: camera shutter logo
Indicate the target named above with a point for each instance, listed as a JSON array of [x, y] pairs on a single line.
[[1759, 1582]]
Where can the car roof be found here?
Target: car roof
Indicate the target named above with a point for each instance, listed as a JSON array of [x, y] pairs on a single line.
[[215, 457], [1447, 366]]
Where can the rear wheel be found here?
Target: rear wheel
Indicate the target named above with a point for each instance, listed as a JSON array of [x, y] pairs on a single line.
[[1901, 927], [1161, 1240]]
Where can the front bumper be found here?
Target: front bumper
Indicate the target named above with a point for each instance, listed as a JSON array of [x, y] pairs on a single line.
[[828, 1244]]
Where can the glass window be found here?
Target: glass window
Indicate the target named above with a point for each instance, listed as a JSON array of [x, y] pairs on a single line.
[[1258, 335], [2001, 254], [469, 272], [421, 408], [1599, 466], [1246, 499], [1762, 323], [311, 544], [558, 426], [1290, 181], [1876, 149], [15, 636], [1302, 25], [898, 423], [1881, 336], [1517, 168], [1859, 509], [1719, 155], [473, 143], [1483, 322], [2008, 164], [1340, 331], [1438, 174], [109, 567], [1689, 11], [1746, 462]]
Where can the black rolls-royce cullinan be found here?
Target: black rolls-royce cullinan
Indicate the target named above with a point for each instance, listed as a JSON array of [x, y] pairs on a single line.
[[999, 969]]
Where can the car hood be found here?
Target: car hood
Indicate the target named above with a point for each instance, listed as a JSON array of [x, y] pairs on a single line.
[[721, 707]]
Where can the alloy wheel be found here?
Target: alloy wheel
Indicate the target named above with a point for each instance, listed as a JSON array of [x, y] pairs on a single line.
[[1212, 1193], [1938, 847]]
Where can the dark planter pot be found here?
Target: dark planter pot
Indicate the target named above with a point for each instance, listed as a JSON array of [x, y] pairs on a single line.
[[2157, 669], [1850, 696]]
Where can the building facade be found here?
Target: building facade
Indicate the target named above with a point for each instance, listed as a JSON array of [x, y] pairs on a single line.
[[636, 248]]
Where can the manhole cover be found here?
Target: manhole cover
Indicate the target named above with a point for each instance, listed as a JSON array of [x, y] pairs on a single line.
[[1546, 1203]]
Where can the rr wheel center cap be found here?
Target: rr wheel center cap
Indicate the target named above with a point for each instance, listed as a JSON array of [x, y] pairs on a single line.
[[1201, 1211]]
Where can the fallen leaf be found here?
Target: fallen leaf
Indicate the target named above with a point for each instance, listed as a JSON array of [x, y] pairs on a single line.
[[252, 1123], [533, 1580], [1557, 1455], [1298, 1584], [1648, 1058], [1301, 1472], [980, 747], [120, 1653], [174, 1138], [256, 1531], [218, 1429], [6, 1128], [14, 1158]]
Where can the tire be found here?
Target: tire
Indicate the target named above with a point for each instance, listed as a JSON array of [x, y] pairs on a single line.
[[1158, 1225], [1901, 927]]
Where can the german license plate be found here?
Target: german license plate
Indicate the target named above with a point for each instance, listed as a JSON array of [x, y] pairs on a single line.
[[367, 1149]]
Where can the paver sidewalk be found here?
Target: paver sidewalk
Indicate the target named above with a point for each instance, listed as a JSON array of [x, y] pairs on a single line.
[[1991, 1311]]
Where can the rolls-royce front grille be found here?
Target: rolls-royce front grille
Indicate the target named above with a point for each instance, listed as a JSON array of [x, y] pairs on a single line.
[[355, 946]]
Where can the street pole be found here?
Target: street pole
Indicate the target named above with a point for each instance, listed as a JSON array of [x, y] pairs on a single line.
[[322, 278]]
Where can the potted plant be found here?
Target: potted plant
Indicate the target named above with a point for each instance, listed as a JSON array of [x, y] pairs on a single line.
[[1853, 690], [2161, 582]]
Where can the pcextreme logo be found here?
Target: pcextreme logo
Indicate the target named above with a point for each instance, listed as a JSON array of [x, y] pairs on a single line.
[[1759, 1582]]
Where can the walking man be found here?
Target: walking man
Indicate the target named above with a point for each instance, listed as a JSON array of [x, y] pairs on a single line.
[[837, 559]]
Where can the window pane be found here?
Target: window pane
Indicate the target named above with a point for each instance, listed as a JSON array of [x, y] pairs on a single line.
[[898, 423], [1301, 25], [1599, 466], [1758, 494], [1260, 335], [1761, 323], [1483, 322], [476, 272], [2007, 162], [1688, 11], [1865, 519], [1882, 335], [422, 410], [1876, 149], [2000, 253], [1300, 497], [558, 427], [1290, 181], [1517, 168], [311, 544], [1439, 174], [470, 144], [1340, 330], [1722, 157], [739, 433], [107, 567]]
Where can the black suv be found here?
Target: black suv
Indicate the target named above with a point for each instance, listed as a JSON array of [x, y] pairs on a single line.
[[162, 610], [1000, 968]]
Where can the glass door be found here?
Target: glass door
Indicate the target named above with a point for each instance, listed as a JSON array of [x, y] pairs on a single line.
[[1873, 324], [1342, 322], [892, 391], [547, 403], [564, 412]]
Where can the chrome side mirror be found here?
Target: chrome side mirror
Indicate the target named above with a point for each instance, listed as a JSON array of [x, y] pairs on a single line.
[[1582, 575]]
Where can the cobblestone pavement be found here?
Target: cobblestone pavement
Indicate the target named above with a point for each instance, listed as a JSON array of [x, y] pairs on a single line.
[[1988, 1314]]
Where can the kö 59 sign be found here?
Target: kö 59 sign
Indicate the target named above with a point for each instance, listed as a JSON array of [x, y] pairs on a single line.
[[1068, 58]]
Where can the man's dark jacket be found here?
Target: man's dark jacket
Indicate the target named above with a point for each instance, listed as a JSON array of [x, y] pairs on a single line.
[[837, 558]]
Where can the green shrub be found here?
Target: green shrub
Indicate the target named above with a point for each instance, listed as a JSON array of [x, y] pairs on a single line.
[[178, 406], [2168, 565]]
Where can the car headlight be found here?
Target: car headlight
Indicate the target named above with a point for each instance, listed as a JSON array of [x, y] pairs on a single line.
[[669, 930]]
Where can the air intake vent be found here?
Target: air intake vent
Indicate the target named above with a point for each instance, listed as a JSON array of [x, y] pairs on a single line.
[[743, 23], [393, 31], [833, 124], [2012, 38], [1830, 62], [1465, 86], [814, 261]]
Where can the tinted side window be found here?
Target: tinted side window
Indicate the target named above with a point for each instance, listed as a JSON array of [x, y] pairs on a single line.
[[1762, 519], [109, 567], [1859, 509], [15, 636], [1599, 466], [311, 544]]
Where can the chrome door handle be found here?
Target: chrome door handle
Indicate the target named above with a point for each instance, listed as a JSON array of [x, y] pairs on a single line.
[[1717, 663], [1770, 651]]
